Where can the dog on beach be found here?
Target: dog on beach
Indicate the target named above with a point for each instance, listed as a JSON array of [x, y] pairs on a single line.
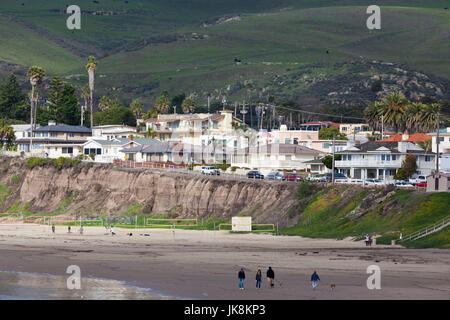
[[332, 286]]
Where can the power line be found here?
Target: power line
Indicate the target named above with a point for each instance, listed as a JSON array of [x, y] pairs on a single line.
[[322, 114]]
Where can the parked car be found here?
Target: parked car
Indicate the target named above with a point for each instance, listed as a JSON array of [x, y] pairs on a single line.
[[336, 176], [415, 179], [422, 184], [373, 182], [403, 184], [211, 171], [355, 181], [292, 177], [317, 178], [275, 175], [253, 174]]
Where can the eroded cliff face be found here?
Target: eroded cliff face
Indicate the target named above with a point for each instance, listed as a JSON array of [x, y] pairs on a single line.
[[93, 189]]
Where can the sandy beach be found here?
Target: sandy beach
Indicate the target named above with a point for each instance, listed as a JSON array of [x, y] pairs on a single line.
[[204, 264]]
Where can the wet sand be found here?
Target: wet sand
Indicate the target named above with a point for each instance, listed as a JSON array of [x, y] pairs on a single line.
[[204, 264]]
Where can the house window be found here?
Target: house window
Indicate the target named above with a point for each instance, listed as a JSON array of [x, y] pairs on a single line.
[[66, 150], [441, 139], [388, 157], [344, 128], [295, 140], [349, 157], [428, 158], [53, 134], [344, 157], [394, 157], [71, 135], [383, 157], [287, 141], [215, 124]]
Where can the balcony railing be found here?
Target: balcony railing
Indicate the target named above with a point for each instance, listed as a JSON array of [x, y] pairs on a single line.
[[368, 163]]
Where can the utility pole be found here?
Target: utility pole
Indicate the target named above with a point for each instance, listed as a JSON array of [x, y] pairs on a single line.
[[332, 164], [437, 144]]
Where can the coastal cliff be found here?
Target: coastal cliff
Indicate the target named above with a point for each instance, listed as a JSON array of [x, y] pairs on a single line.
[[93, 189]]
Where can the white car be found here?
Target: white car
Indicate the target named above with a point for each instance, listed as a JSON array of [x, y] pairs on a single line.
[[373, 182], [356, 181], [415, 179], [211, 171], [403, 184]]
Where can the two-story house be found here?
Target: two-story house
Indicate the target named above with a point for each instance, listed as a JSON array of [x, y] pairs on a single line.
[[196, 128], [381, 160], [56, 140]]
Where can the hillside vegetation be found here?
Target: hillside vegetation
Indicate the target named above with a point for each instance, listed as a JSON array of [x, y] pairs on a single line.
[[191, 46], [343, 211]]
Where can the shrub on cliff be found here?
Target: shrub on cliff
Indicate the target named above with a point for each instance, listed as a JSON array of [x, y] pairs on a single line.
[[61, 162]]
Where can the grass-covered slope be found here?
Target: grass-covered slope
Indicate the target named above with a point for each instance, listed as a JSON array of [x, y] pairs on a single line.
[[342, 211], [190, 46]]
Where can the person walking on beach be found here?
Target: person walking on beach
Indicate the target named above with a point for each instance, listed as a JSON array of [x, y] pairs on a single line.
[[370, 241], [112, 231], [258, 279], [315, 280], [68, 229], [53, 228], [270, 277], [241, 276], [367, 239], [81, 229]]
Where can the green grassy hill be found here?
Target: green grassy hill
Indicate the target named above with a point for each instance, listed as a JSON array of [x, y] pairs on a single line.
[[190, 46], [344, 211]]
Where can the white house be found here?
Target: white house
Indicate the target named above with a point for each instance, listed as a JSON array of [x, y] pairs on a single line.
[[275, 156], [56, 140], [108, 132], [444, 140], [110, 150], [381, 160]]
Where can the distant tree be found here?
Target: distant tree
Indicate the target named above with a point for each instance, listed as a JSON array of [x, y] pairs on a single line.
[[400, 174], [327, 134], [91, 66], [68, 110], [152, 113], [409, 165], [376, 86], [7, 136], [36, 75], [115, 115], [55, 94], [12, 100], [178, 101], [137, 107], [162, 103], [328, 160], [188, 105], [85, 94]]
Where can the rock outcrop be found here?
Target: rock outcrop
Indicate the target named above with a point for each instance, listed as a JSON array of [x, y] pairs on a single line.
[[93, 189]]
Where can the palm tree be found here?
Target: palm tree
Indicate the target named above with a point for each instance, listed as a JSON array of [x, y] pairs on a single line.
[[373, 114], [162, 103], [36, 75], [151, 133], [412, 115], [91, 65], [394, 108], [137, 107], [7, 136], [249, 88], [104, 103], [425, 145], [188, 105], [429, 115], [85, 94]]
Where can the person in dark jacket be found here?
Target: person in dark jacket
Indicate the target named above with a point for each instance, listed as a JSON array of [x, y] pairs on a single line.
[[258, 279], [241, 276], [315, 279], [270, 277]]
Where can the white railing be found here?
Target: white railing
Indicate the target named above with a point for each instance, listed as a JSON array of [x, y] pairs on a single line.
[[368, 163], [427, 230]]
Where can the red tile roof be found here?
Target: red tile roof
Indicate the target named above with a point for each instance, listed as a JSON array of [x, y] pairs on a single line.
[[415, 137]]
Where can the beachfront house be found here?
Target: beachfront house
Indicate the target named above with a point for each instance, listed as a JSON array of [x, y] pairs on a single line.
[[274, 156], [381, 160], [195, 128], [102, 150], [55, 140]]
